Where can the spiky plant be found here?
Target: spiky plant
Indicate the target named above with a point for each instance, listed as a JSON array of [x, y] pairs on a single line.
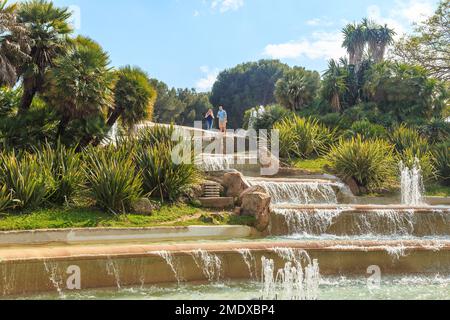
[[304, 138], [370, 163], [112, 180]]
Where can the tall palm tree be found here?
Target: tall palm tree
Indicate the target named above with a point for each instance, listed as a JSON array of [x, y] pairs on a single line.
[[355, 38], [14, 44], [79, 85], [379, 38], [335, 84], [134, 97], [49, 27]]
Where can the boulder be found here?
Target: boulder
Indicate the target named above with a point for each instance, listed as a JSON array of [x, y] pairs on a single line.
[[353, 185], [234, 184], [250, 190], [257, 204], [143, 207]]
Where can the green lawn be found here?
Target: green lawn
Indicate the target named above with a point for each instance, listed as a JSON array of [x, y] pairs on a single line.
[[314, 166], [61, 218]]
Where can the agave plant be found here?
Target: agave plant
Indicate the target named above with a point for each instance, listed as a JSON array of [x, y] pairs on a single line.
[[304, 138], [5, 198], [404, 138], [162, 177], [65, 168], [442, 162], [370, 163], [112, 180], [158, 134], [26, 178]]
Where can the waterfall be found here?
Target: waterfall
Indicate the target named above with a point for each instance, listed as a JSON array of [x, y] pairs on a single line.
[[54, 276], [210, 264], [299, 192], [113, 270], [293, 282], [249, 260], [215, 162], [169, 259], [412, 184], [308, 221]]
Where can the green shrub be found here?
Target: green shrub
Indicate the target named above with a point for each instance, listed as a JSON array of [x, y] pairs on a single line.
[[410, 146], [155, 135], [26, 177], [304, 138], [162, 177], [442, 163], [366, 130], [272, 114], [112, 180], [404, 138], [65, 168], [5, 198], [436, 131], [370, 163]]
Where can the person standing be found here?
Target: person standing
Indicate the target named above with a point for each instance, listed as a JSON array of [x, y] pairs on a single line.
[[223, 119], [209, 120]]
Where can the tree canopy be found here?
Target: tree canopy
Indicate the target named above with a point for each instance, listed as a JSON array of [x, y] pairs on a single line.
[[246, 86]]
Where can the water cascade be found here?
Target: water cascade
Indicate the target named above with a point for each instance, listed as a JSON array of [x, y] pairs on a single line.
[[249, 260], [412, 184], [113, 270], [300, 192], [215, 162], [55, 278], [293, 282], [172, 263], [209, 263]]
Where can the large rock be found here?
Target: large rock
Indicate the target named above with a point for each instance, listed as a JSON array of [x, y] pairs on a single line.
[[143, 207], [257, 204], [234, 184], [353, 186], [253, 189]]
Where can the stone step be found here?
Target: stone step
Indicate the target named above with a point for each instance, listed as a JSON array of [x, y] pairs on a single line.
[[217, 203]]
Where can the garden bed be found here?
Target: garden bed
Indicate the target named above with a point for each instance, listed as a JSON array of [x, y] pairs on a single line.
[[67, 218]]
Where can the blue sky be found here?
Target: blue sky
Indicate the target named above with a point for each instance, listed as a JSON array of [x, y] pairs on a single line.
[[185, 43]]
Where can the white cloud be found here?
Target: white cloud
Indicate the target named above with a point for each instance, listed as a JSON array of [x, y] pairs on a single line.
[[320, 22], [403, 14], [227, 5], [206, 83], [322, 45]]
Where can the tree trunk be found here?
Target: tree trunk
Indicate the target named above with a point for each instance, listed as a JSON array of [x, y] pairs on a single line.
[[110, 123], [29, 91]]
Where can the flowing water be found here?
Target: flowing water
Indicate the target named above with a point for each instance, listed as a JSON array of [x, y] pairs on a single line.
[[210, 264], [299, 192], [172, 262], [412, 184]]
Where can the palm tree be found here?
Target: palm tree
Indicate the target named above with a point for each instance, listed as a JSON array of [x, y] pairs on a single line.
[[355, 38], [378, 38], [134, 97], [14, 44], [79, 85], [335, 84], [49, 27]]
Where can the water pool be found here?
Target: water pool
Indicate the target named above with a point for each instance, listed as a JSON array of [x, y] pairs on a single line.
[[331, 288]]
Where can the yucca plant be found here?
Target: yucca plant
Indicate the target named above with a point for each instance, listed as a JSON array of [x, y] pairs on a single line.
[[162, 177], [112, 180], [27, 179], [404, 138], [442, 162], [155, 135], [366, 130], [409, 146], [65, 168], [304, 138], [5, 198], [370, 163]]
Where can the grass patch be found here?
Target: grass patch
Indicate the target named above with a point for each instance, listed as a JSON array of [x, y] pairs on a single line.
[[65, 218], [314, 165], [437, 190]]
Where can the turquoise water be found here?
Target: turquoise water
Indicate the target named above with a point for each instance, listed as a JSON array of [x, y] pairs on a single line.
[[390, 288]]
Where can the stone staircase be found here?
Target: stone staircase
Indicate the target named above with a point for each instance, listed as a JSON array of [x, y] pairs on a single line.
[[212, 198]]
